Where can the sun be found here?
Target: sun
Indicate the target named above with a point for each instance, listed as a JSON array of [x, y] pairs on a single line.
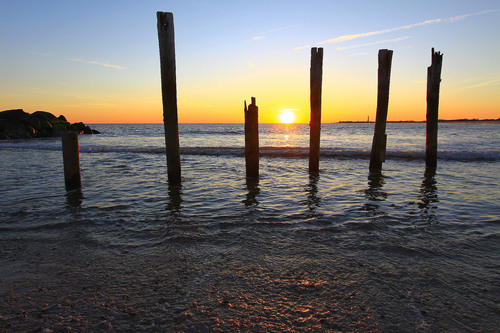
[[287, 116]]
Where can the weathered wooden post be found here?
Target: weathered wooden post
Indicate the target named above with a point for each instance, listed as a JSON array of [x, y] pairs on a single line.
[[433, 83], [316, 77], [252, 139], [379, 137], [169, 94], [71, 160]]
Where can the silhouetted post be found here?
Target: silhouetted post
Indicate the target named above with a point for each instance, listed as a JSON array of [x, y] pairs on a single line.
[[252, 139], [433, 82], [169, 94], [379, 137], [316, 77], [71, 160]]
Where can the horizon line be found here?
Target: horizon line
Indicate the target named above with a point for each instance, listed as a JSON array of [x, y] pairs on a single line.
[[298, 123]]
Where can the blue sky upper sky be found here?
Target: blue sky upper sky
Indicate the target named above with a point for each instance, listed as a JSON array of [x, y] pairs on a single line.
[[97, 61]]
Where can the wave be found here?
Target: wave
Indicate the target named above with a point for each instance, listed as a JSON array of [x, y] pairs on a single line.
[[300, 152], [223, 132], [270, 152]]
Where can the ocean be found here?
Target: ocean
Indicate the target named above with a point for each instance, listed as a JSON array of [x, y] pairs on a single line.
[[346, 250]]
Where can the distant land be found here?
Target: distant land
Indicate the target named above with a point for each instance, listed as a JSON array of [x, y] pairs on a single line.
[[423, 121]]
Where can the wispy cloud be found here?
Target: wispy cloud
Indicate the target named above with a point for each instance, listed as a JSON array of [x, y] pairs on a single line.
[[344, 38], [97, 63], [405, 27], [302, 47], [340, 48], [487, 83], [358, 54], [483, 84], [472, 83], [79, 105], [40, 54], [261, 35]]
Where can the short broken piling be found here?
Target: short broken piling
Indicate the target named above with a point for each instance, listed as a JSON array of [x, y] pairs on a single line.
[[71, 160], [252, 139], [379, 137], [169, 94], [316, 77], [433, 83]]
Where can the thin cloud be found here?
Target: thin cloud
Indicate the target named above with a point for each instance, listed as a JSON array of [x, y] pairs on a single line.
[[40, 54], [79, 105], [302, 47], [97, 63], [261, 35], [482, 84], [358, 54], [341, 48], [405, 27], [344, 38]]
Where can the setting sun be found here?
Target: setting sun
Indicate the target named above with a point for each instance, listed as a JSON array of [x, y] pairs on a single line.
[[287, 116]]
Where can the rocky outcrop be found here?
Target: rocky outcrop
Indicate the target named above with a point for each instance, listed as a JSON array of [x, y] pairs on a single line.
[[17, 124]]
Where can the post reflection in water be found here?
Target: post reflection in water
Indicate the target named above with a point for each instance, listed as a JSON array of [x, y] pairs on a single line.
[[253, 189], [175, 197], [374, 192], [313, 202], [74, 198], [428, 194]]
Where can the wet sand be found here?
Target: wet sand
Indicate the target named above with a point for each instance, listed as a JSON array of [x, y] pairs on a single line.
[[57, 286]]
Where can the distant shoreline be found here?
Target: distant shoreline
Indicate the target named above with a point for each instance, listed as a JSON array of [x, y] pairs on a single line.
[[423, 121], [489, 121]]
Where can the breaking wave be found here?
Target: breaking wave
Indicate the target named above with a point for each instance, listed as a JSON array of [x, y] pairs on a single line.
[[269, 152]]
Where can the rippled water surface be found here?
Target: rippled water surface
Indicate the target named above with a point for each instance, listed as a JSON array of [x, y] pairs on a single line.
[[343, 251]]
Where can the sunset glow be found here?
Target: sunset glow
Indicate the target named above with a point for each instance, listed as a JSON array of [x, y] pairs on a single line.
[[91, 71]]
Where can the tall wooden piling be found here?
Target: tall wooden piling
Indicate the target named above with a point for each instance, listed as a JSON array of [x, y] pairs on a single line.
[[433, 83], [165, 22], [252, 139], [379, 144], [316, 78], [71, 160]]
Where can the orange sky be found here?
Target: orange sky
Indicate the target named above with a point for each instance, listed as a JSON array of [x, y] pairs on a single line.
[[89, 70]]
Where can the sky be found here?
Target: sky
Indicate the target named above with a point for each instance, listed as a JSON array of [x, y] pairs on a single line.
[[98, 61]]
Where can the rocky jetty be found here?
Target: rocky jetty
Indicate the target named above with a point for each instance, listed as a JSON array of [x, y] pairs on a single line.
[[17, 124]]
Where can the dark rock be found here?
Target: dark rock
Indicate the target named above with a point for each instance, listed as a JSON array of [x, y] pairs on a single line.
[[60, 126], [15, 130], [87, 130], [78, 127], [17, 124], [44, 115], [33, 122], [14, 115]]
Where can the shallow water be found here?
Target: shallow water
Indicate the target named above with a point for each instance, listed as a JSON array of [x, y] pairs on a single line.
[[344, 251]]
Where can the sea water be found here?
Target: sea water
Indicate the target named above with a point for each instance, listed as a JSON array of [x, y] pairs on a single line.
[[345, 250]]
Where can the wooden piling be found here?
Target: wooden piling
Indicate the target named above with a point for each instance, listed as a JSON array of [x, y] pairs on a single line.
[[71, 160], [316, 77], [165, 22], [252, 139], [379, 137], [433, 83]]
